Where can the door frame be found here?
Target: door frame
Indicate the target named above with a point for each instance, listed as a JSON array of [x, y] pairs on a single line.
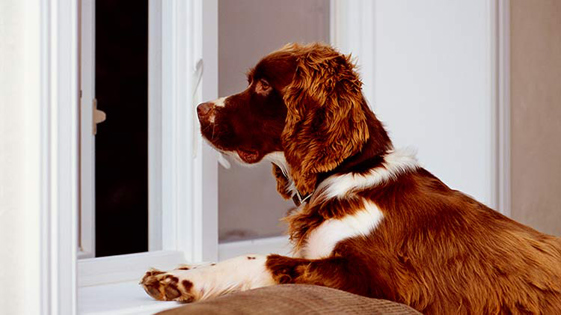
[[59, 128], [501, 70], [181, 219], [86, 228], [183, 186], [183, 172]]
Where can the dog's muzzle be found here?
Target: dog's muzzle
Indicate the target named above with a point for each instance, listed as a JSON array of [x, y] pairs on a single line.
[[205, 111]]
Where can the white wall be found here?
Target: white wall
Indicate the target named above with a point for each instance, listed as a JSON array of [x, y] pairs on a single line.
[[19, 157], [434, 87]]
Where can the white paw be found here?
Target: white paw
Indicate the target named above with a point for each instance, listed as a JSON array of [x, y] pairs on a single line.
[[195, 283]]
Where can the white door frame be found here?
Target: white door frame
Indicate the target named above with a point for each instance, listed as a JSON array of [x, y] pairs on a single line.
[[86, 229], [183, 187], [182, 170], [174, 43], [351, 30], [154, 125], [501, 10], [59, 154]]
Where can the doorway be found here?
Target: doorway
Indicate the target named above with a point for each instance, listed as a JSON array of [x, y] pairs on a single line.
[[114, 207]]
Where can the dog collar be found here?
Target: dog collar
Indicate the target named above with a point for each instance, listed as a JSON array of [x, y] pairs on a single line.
[[298, 199]]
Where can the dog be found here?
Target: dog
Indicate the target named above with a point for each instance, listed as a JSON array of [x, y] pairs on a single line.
[[369, 220]]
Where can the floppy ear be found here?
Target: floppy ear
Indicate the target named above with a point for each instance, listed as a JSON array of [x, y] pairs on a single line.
[[325, 122]]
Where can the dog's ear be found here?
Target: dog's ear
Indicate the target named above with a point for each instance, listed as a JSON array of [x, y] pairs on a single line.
[[282, 182], [325, 122]]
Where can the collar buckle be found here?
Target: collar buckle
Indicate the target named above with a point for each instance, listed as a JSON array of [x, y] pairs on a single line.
[[298, 199]]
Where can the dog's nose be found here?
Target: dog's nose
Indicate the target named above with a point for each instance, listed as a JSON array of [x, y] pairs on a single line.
[[203, 109]]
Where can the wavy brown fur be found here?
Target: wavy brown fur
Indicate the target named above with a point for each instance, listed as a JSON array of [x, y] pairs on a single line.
[[325, 122]]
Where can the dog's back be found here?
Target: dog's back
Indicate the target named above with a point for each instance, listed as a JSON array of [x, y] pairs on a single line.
[[445, 251]]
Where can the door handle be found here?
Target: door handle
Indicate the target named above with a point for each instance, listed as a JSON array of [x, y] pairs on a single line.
[[99, 116]]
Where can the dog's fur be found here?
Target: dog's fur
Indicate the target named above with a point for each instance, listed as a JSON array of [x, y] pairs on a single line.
[[374, 223]]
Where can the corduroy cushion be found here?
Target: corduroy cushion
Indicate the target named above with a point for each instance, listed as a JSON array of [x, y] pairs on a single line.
[[292, 299]]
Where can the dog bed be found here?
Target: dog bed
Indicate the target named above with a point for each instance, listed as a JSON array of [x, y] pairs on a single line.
[[292, 299]]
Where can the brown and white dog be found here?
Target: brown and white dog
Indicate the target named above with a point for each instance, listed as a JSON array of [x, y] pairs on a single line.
[[371, 220]]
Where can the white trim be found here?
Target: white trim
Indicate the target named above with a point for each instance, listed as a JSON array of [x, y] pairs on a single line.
[[189, 185], [87, 139], [59, 154], [155, 125], [493, 40], [182, 172], [500, 113], [207, 160], [503, 104], [271, 245], [177, 57]]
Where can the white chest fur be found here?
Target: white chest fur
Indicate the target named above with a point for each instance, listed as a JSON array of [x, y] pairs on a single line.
[[323, 239]]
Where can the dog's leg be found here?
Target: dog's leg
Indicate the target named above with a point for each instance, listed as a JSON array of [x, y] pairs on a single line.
[[250, 272], [335, 272], [187, 284]]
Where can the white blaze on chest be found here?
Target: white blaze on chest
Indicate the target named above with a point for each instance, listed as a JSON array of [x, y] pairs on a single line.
[[322, 240]]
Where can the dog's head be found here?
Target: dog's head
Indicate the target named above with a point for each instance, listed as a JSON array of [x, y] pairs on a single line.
[[303, 101]]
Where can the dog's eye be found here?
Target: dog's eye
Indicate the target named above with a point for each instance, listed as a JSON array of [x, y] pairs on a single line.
[[262, 87], [264, 84]]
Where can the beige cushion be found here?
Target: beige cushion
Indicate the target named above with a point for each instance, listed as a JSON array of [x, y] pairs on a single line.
[[293, 299]]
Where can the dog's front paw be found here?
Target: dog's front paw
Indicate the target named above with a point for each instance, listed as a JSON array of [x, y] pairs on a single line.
[[191, 283], [168, 286]]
